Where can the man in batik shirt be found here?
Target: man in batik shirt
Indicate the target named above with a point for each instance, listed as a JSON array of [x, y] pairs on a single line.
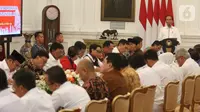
[[94, 85], [37, 63]]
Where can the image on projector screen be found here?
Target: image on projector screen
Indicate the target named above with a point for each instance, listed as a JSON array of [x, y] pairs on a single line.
[[10, 17]]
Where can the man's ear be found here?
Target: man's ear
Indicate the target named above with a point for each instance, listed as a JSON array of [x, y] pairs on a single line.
[[110, 64]]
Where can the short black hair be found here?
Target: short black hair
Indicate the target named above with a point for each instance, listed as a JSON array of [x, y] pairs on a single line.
[[55, 46], [133, 40], [122, 41], [138, 38], [11, 57], [72, 51], [151, 55], [41, 53], [194, 54], [137, 60], [37, 34], [157, 43], [197, 48], [115, 59], [80, 45], [25, 78], [3, 80], [57, 34], [56, 75], [107, 43], [124, 61], [93, 47]]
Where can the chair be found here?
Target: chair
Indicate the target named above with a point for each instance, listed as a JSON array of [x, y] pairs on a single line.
[[70, 110], [121, 103], [149, 98], [171, 96], [196, 98], [97, 106], [137, 98], [187, 94]]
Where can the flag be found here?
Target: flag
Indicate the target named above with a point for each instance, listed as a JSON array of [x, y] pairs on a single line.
[[150, 12], [143, 14], [162, 12], [156, 11], [170, 9], [155, 26]]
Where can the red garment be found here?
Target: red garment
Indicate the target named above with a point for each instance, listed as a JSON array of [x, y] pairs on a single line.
[[67, 63]]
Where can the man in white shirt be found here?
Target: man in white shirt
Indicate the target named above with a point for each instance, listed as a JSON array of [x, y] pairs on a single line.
[[9, 102], [11, 64], [81, 51], [122, 47], [34, 99], [187, 64], [169, 31], [163, 70], [65, 94], [56, 52]]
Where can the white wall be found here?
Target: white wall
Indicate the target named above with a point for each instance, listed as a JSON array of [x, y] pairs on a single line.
[[81, 19]]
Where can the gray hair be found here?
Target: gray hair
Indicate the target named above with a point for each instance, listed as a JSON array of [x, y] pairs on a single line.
[[182, 52]]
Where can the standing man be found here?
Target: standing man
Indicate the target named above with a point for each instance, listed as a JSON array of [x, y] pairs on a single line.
[[169, 31], [39, 44], [59, 38]]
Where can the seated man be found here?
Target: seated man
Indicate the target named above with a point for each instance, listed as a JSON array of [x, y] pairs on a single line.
[[81, 50], [65, 94], [130, 75], [187, 64], [11, 64], [94, 85], [164, 72], [56, 52], [107, 48], [9, 102], [156, 45], [139, 41], [37, 63], [121, 48], [95, 52], [68, 61], [111, 74], [39, 43], [34, 99]]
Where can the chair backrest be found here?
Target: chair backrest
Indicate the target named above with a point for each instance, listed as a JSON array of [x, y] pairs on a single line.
[[187, 91], [121, 103], [70, 110], [97, 106], [171, 96], [137, 98], [196, 97], [149, 98]]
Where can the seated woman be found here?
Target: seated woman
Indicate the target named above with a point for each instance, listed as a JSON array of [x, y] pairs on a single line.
[[68, 61]]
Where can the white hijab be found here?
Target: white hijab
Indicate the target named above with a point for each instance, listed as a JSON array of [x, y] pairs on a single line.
[[167, 58]]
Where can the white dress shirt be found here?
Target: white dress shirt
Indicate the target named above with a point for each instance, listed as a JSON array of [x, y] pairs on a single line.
[[166, 75], [90, 58], [166, 32], [70, 96], [51, 62], [4, 66], [37, 100], [115, 50], [9, 102], [190, 67]]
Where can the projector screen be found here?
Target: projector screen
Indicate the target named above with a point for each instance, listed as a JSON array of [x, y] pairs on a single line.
[[10, 18]]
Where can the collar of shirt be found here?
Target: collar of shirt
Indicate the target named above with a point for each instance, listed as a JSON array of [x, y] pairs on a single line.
[[90, 56], [64, 85], [5, 66], [115, 50], [166, 27], [51, 57]]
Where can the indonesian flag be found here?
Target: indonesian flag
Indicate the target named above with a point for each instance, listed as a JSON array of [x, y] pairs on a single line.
[[152, 18], [170, 9]]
